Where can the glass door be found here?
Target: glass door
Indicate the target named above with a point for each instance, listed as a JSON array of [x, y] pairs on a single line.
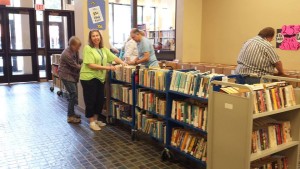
[[18, 52], [3, 79], [59, 27]]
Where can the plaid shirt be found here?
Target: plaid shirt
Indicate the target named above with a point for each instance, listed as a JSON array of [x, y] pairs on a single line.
[[69, 66]]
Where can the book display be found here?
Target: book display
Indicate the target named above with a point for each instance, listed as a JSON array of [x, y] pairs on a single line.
[[263, 119]]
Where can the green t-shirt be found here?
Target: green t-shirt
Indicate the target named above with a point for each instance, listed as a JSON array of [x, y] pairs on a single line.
[[96, 56]]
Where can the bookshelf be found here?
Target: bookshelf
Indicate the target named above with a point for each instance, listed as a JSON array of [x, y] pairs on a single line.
[[139, 85], [112, 116], [159, 89], [231, 126]]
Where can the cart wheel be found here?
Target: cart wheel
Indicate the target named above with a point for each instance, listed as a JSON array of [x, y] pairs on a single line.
[[51, 89], [166, 154], [133, 135], [59, 93]]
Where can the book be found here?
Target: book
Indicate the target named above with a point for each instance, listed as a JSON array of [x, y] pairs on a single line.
[[269, 133], [122, 93], [189, 142], [192, 114], [270, 162], [151, 101], [153, 78], [146, 123], [267, 96], [123, 73], [120, 111]]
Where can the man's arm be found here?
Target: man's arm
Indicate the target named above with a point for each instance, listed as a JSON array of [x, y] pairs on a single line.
[[279, 67]]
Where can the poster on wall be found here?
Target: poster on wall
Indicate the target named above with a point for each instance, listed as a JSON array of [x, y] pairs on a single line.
[[288, 37], [96, 14], [4, 2]]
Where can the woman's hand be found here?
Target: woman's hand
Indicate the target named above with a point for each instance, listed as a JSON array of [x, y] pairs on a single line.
[[130, 62], [111, 68], [124, 64]]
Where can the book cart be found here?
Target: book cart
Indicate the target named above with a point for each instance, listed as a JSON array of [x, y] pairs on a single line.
[[56, 81], [231, 123]]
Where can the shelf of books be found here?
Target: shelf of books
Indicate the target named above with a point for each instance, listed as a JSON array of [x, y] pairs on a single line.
[[122, 96], [258, 124], [151, 102], [188, 112]]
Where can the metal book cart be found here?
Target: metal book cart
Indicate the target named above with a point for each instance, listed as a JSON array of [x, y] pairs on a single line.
[[56, 81], [230, 126]]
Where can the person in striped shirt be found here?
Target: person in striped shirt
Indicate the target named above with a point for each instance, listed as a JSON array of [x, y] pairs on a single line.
[[258, 57]]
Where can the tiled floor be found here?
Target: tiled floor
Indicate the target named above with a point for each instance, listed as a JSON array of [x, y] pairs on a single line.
[[34, 134]]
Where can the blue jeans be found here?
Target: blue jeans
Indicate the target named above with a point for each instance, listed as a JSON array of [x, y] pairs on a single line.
[[71, 87]]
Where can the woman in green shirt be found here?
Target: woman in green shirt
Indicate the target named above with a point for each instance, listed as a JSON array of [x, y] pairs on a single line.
[[92, 76]]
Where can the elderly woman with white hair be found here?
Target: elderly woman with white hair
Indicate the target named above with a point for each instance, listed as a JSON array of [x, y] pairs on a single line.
[[68, 71]]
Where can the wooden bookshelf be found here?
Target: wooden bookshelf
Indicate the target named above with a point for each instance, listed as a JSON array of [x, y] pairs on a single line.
[[230, 126]]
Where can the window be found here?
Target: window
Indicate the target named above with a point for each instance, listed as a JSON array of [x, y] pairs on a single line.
[[139, 15], [53, 4], [120, 24]]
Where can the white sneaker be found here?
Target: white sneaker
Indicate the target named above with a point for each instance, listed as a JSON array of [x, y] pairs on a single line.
[[94, 126], [100, 123]]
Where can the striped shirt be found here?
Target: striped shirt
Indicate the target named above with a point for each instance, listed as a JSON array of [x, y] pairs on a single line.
[[257, 57]]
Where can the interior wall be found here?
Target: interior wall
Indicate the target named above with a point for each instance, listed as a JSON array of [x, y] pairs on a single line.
[[228, 24], [188, 30], [82, 31]]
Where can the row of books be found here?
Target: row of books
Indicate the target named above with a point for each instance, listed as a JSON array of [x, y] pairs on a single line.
[[267, 96], [271, 162], [273, 96], [54, 70], [152, 126], [55, 59], [192, 83], [122, 93], [190, 143], [153, 78], [269, 133], [120, 111], [123, 73], [150, 101], [193, 114]]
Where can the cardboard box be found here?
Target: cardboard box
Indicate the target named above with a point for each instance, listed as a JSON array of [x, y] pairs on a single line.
[[214, 69], [200, 67], [183, 66], [229, 70]]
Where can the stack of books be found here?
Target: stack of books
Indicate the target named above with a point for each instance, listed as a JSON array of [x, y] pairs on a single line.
[[153, 78], [269, 133], [123, 73], [192, 83], [152, 102], [120, 111], [122, 93], [195, 115], [152, 126], [190, 143], [272, 162]]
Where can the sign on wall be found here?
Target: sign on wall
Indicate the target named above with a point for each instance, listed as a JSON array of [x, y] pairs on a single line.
[[96, 14], [4, 2], [288, 37]]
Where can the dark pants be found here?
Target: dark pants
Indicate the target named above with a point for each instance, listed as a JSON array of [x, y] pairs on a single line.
[[93, 95], [71, 87], [251, 80]]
